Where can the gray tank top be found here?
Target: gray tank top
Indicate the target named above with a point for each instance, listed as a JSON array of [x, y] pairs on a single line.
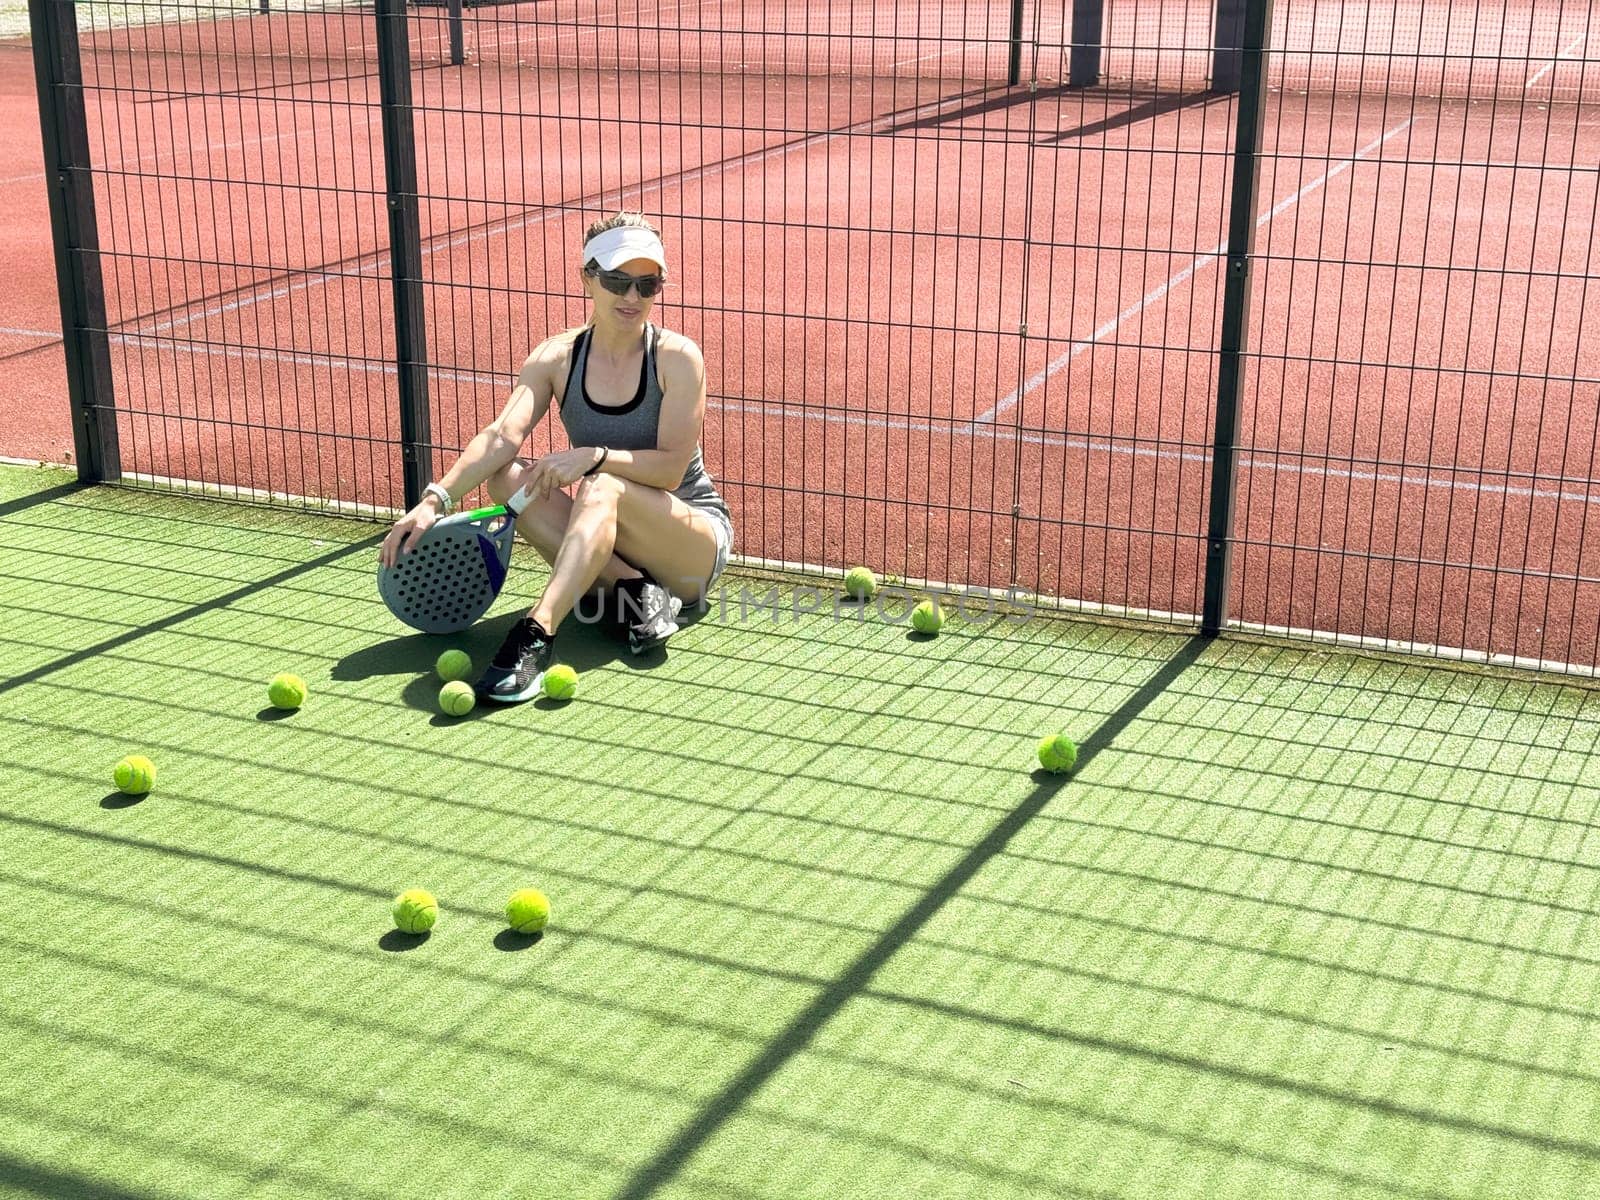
[[630, 426]]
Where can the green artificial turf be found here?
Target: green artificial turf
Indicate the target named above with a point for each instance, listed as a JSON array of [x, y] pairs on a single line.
[[1303, 924]]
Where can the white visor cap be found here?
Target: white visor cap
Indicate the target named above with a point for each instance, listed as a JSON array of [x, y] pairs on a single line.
[[624, 244]]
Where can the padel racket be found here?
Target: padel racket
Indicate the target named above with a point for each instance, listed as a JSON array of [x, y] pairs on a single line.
[[453, 572]]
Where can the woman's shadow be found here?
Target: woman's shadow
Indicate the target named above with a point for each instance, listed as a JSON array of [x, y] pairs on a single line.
[[583, 643]]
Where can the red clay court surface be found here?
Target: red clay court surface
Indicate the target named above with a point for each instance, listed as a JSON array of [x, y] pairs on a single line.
[[1418, 442]]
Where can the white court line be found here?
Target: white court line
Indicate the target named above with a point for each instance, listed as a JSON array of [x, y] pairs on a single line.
[[1551, 65], [906, 62], [373, 268], [1199, 262], [543, 33], [381, 259], [1263, 462], [38, 333], [999, 433], [1512, 165], [125, 163]]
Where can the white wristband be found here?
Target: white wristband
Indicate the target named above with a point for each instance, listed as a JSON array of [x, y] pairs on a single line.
[[437, 490]]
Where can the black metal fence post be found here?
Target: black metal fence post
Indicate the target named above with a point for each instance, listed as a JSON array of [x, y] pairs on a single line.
[[1227, 56], [1014, 61], [457, 22], [405, 244], [69, 178], [1235, 313], [1088, 35]]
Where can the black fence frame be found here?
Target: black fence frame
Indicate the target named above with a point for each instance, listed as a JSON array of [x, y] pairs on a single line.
[[69, 175], [1239, 65]]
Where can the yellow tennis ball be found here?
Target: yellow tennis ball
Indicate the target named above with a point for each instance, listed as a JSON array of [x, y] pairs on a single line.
[[860, 583], [1058, 753], [528, 910], [286, 691], [456, 698], [927, 617], [135, 775], [415, 911], [561, 682], [453, 664]]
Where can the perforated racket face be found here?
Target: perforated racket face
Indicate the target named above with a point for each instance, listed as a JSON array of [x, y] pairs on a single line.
[[447, 582]]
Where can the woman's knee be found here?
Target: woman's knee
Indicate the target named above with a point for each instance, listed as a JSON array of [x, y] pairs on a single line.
[[502, 485], [599, 491]]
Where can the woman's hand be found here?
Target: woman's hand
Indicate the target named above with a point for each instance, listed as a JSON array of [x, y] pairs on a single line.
[[403, 537], [558, 470]]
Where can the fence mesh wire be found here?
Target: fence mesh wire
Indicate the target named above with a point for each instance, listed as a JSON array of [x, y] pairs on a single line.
[[963, 328]]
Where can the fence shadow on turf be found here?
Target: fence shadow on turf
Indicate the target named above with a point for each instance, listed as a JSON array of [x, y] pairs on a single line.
[[29, 1179], [661, 1169], [249, 588], [33, 499], [1286, 686]]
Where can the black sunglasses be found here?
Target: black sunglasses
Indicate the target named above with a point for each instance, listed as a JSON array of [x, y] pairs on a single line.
[[618, 283]]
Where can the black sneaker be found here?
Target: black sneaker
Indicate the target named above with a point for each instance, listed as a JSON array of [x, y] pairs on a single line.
[[648, 611], [517, 671]]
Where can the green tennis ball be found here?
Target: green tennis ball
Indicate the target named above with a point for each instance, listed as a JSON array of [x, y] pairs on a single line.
[[286, 691], [528, 910], [1058, 753], [561, 682], [860, 583], [134, 775], [415, 911], [456, 698], [927, 617], [453, 664]]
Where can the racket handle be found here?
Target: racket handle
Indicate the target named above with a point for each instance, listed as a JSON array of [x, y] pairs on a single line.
[[518, 502]]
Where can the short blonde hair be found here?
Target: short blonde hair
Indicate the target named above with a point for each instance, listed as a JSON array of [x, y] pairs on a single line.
[[618, 220]]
